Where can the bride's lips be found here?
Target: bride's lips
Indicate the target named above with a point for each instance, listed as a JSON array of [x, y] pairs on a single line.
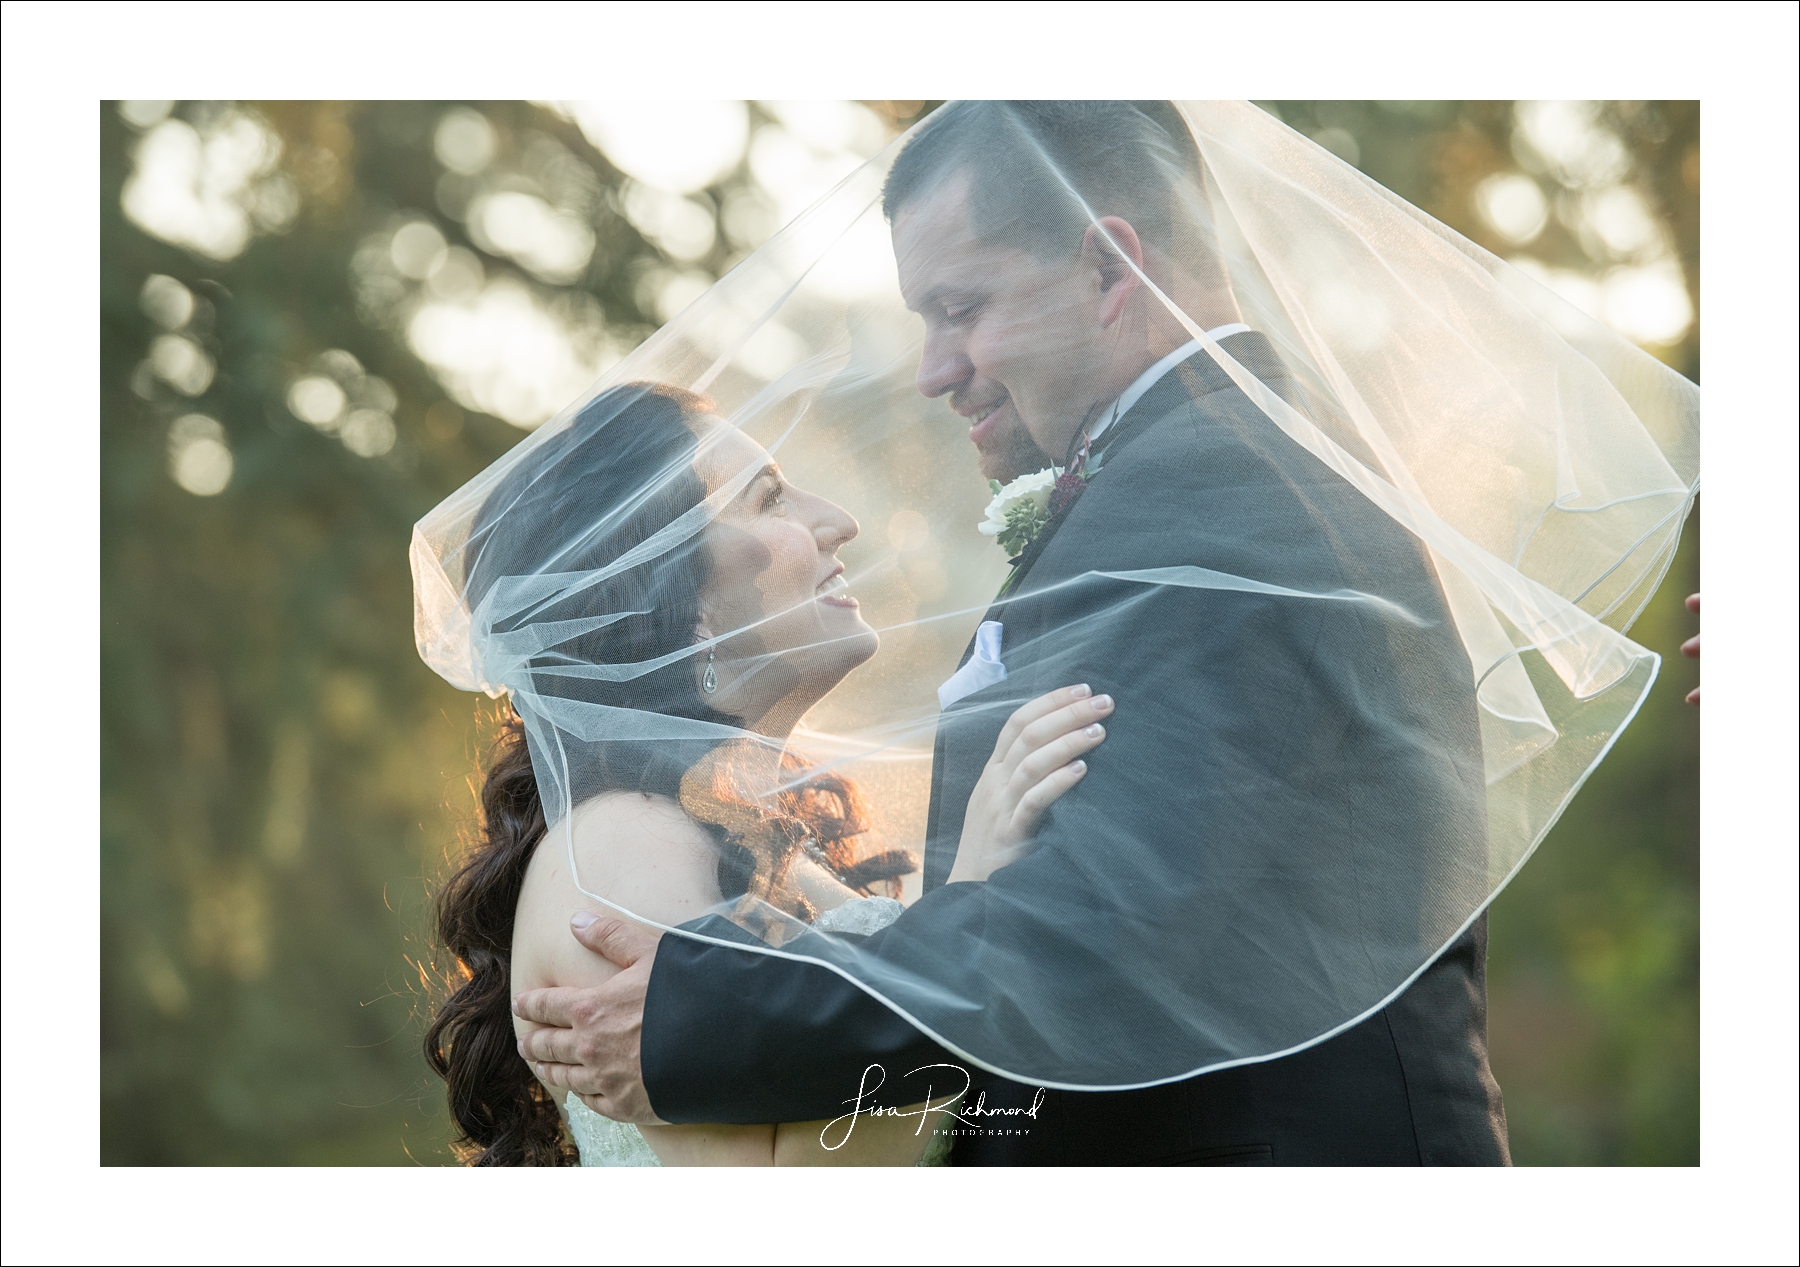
[[984, 423], [834, 592]]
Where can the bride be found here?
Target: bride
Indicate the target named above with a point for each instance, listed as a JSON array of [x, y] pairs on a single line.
[[747, 624]]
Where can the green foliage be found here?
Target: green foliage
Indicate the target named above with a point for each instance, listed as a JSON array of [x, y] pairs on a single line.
[[282, 780], [1594, 962], [1023, 523]]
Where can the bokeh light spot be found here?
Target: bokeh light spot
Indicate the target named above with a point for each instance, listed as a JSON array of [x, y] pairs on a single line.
[[678, 146], [829, 126], [1623, 222], [368, 433], [683, 227], [1566, 139], [459, 276], [317, 400], [340, 364], [181, 363], [376, 393], [464, 141], [1513, 206], [666, 292], [507, 353], [550, 243], [166, 301], [1648, 303], [145, 114], [208, 190], [199, 457], [749, 218], [908, 530], [418, 249]]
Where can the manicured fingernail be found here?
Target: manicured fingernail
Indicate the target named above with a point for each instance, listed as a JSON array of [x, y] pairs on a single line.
[[1082, 691], [1102, 703], [1080, 767], [1094, 731], [581, 919]]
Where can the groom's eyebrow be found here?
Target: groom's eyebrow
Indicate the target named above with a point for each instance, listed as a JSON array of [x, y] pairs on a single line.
[[943, 294], [931, 298]]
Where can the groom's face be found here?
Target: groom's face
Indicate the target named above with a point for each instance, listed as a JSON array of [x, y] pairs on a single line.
[[1009, 337]]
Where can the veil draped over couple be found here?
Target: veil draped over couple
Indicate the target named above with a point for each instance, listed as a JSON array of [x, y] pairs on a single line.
[[1125, 783]]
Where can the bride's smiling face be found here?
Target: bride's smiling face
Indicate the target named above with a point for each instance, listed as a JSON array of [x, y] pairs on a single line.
[[776, 592]]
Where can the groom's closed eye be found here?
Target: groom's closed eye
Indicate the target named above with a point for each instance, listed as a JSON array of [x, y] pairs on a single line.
[[954, 308]]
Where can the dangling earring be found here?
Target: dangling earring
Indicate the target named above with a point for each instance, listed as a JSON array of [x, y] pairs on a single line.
[[709, 681]]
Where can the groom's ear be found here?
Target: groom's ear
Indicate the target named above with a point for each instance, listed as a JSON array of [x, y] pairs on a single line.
[[1112, 250]]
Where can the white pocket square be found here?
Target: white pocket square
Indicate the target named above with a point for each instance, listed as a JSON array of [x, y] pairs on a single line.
[[983, 669]]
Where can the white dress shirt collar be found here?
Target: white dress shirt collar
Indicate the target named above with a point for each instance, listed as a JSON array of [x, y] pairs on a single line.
[[1148, 379]]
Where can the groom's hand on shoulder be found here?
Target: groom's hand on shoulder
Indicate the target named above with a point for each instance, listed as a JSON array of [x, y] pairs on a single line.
[[590, 1041]]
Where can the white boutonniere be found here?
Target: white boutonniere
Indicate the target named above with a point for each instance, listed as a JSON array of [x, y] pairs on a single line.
[[1019, 511]]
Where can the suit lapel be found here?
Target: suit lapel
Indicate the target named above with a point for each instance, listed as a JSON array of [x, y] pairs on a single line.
[[1193, 378]]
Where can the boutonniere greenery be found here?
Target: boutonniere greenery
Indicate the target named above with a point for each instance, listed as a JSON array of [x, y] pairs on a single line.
[[1019, 510], [1022, 509]]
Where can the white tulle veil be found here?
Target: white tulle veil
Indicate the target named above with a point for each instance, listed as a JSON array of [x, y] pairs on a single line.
[[1540, 465]]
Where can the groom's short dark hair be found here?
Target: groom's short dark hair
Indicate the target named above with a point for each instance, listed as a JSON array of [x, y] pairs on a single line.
[[1023, 158]]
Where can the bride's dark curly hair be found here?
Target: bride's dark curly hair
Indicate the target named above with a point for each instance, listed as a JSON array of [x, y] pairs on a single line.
[[632, 438]]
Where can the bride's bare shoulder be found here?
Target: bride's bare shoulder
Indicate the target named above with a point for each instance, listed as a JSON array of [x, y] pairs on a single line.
[[616, 820], [637, 851], [622, 839]]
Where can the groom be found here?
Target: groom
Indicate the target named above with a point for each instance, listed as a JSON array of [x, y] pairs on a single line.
[[1040, 330]]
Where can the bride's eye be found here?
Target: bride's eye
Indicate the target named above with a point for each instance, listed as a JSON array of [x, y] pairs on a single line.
[[773, 497]]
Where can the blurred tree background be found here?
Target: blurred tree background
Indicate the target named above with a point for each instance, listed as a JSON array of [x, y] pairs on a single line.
[[317, 319]]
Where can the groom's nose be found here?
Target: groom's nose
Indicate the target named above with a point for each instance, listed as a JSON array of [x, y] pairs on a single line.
[[943, 366]]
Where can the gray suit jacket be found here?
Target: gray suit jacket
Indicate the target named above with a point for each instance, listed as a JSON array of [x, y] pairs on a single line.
[[1280, 748]]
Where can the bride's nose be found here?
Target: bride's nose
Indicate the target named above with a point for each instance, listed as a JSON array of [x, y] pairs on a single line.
[[834, 526]]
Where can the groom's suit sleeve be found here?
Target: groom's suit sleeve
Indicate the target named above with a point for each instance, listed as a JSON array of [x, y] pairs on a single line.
[[735, 1036], [1263, 747]]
